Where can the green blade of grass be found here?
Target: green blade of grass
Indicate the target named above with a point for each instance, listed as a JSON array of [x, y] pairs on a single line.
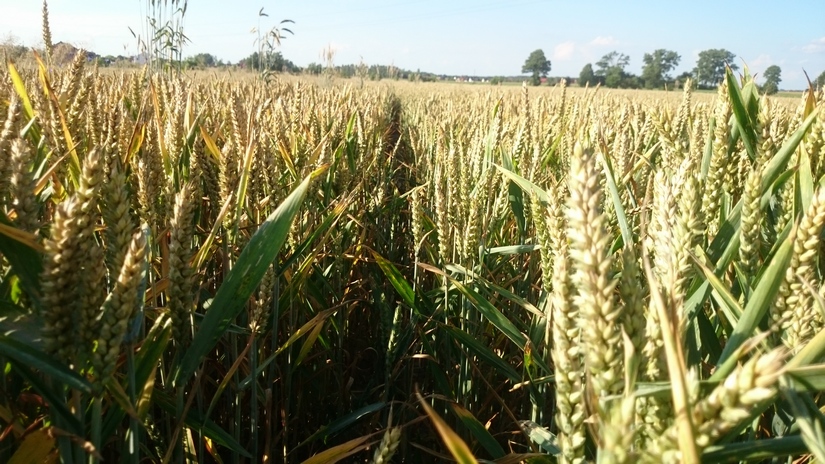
[[492, 314], [146, 363], [57, 404], [337, 453], [757, 450], [205, 426], [457, 447], [404, 289], [721, 293], [809, 420], [776, 166], [618, 207], [28, 356], [515, 195], [484, 353], [343, 423], [758, 305], [744, 119], [525, 184], [26, 261], [478, 430], [241, 281]]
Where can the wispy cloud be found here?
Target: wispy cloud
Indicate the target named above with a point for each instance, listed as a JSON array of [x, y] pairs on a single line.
[[564, 51], [570, 50], [815, 46], [602, 41], [761, 61]]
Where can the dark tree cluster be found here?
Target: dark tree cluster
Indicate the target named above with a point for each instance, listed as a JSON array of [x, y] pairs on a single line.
[[658, 65], [537, 65], [268, 62]]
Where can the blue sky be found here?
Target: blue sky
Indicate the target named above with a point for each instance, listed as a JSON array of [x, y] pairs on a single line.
[[482, 37]]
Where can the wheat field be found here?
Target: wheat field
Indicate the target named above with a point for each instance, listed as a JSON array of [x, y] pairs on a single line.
[[220, 269]]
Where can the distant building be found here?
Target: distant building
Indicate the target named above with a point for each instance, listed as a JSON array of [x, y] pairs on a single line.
[[64, 53]]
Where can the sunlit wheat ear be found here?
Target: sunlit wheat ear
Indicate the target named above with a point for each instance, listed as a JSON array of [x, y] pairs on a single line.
[[180, 254], [689, 232], [442, 220], [632, 292], [12, 117], [728, 404], [416, 219], [765, 142], [661, 244], [568, 362], [73, 270], [617, 433], [750, 229], [116, 217], [793, 313], [59, 282], [389, 444], [538, 212], [71, 83], [592, 280], [91, 280], [47, 33], [119, 307], [711, 200], [77, 94], [23, 186]]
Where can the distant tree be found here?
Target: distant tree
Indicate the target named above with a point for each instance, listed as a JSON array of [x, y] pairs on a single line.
[[820, 80], [657, 66], [682, 78], [276, 62], [710, 68], [314, 68], [772, 79], [587, 77], [497, 80], [613, 77], [11, 48], [611, 70], [201, 60], [538, 65], [613, 59]]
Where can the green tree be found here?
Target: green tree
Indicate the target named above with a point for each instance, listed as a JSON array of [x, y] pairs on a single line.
[[611, 69], [679, 83], [657, 66], [820, 80], [314, 68], [275, 63], [587, 77], [710, 68], [201, 60], [538, 65], [613, 59], [772, 79]]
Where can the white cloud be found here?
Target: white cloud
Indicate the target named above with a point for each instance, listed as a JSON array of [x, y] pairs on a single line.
[[815, 46], [760, 63], [570, 50], [601, 41], [564, 51]]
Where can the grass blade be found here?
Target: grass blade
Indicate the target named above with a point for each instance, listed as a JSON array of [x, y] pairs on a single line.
[[460, 451], [758, 305], [241, 281], [478, 430]]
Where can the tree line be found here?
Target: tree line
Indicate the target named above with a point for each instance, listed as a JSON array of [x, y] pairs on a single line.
[[611, 71]]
